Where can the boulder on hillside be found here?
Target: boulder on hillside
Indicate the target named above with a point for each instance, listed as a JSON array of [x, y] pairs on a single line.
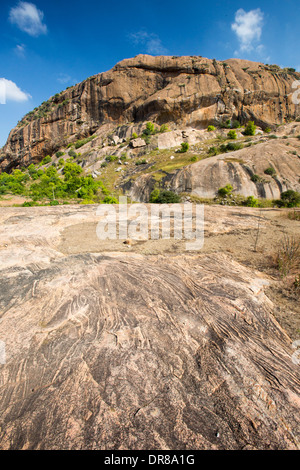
[[136, 143]]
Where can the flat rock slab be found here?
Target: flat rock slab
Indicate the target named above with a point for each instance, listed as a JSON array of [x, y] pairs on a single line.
[[116, 351]]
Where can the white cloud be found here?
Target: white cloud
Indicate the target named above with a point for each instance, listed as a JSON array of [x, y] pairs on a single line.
[[248, 28], [28, 18], [20, 50], [151, 42], [9, 91]]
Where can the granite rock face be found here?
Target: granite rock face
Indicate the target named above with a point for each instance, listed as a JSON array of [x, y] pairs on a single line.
[[244, 169], [187, 91], [128, 351]]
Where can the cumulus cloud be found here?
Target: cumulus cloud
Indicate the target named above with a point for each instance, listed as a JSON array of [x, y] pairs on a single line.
[[151, 42], [28, 18], [9, 91], [248, 28]]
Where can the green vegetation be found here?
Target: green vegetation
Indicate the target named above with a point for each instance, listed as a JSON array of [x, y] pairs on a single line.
[[211, 128], [154, 195], [235, 124], [250, 128], [13, 183], [63, 103], [290, 198], [80, 143], [47, 184], [270, 171], [111, 158], [225, 191], [59, 154], [164, 128], [72, 153], [232, 134], [164, 197], [221, 138], [38, 113], [230, 147], [256, 178], [250, 202], [184, 147], [46, 160], [226, 124], [146, 138], [110, 200], [150, 129]]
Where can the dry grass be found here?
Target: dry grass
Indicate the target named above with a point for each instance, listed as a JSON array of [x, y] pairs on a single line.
[[294, 215], [288, 255]]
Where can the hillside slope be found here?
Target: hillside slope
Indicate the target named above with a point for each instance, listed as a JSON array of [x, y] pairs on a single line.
[[186, 91], [244, 169]]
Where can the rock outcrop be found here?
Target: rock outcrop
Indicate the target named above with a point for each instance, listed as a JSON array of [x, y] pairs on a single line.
[[129, 351], [187, 91], [244, 169]]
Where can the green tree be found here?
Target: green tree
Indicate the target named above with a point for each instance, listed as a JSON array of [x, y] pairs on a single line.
[[235, 124], [225, 191], [290, 198], [164, 128], [232, 134], [250, 128], [46, 160], [250, 202], [154, 195], [167, 197], [184, 147], [270, 171], [149, 128]]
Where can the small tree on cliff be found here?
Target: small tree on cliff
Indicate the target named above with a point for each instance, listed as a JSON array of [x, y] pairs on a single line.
[[250, 128]]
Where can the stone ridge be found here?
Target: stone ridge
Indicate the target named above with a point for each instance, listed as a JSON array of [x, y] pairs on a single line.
[[186, 91]]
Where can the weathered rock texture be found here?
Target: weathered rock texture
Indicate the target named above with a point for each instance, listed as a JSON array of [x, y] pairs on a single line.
[[116, 351], [205, 177], [188, 91]]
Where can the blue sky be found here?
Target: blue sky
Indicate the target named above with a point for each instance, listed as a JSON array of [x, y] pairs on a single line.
[[46, 46]]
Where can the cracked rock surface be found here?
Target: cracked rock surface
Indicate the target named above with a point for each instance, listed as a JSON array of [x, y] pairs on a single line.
[[131, 351]]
